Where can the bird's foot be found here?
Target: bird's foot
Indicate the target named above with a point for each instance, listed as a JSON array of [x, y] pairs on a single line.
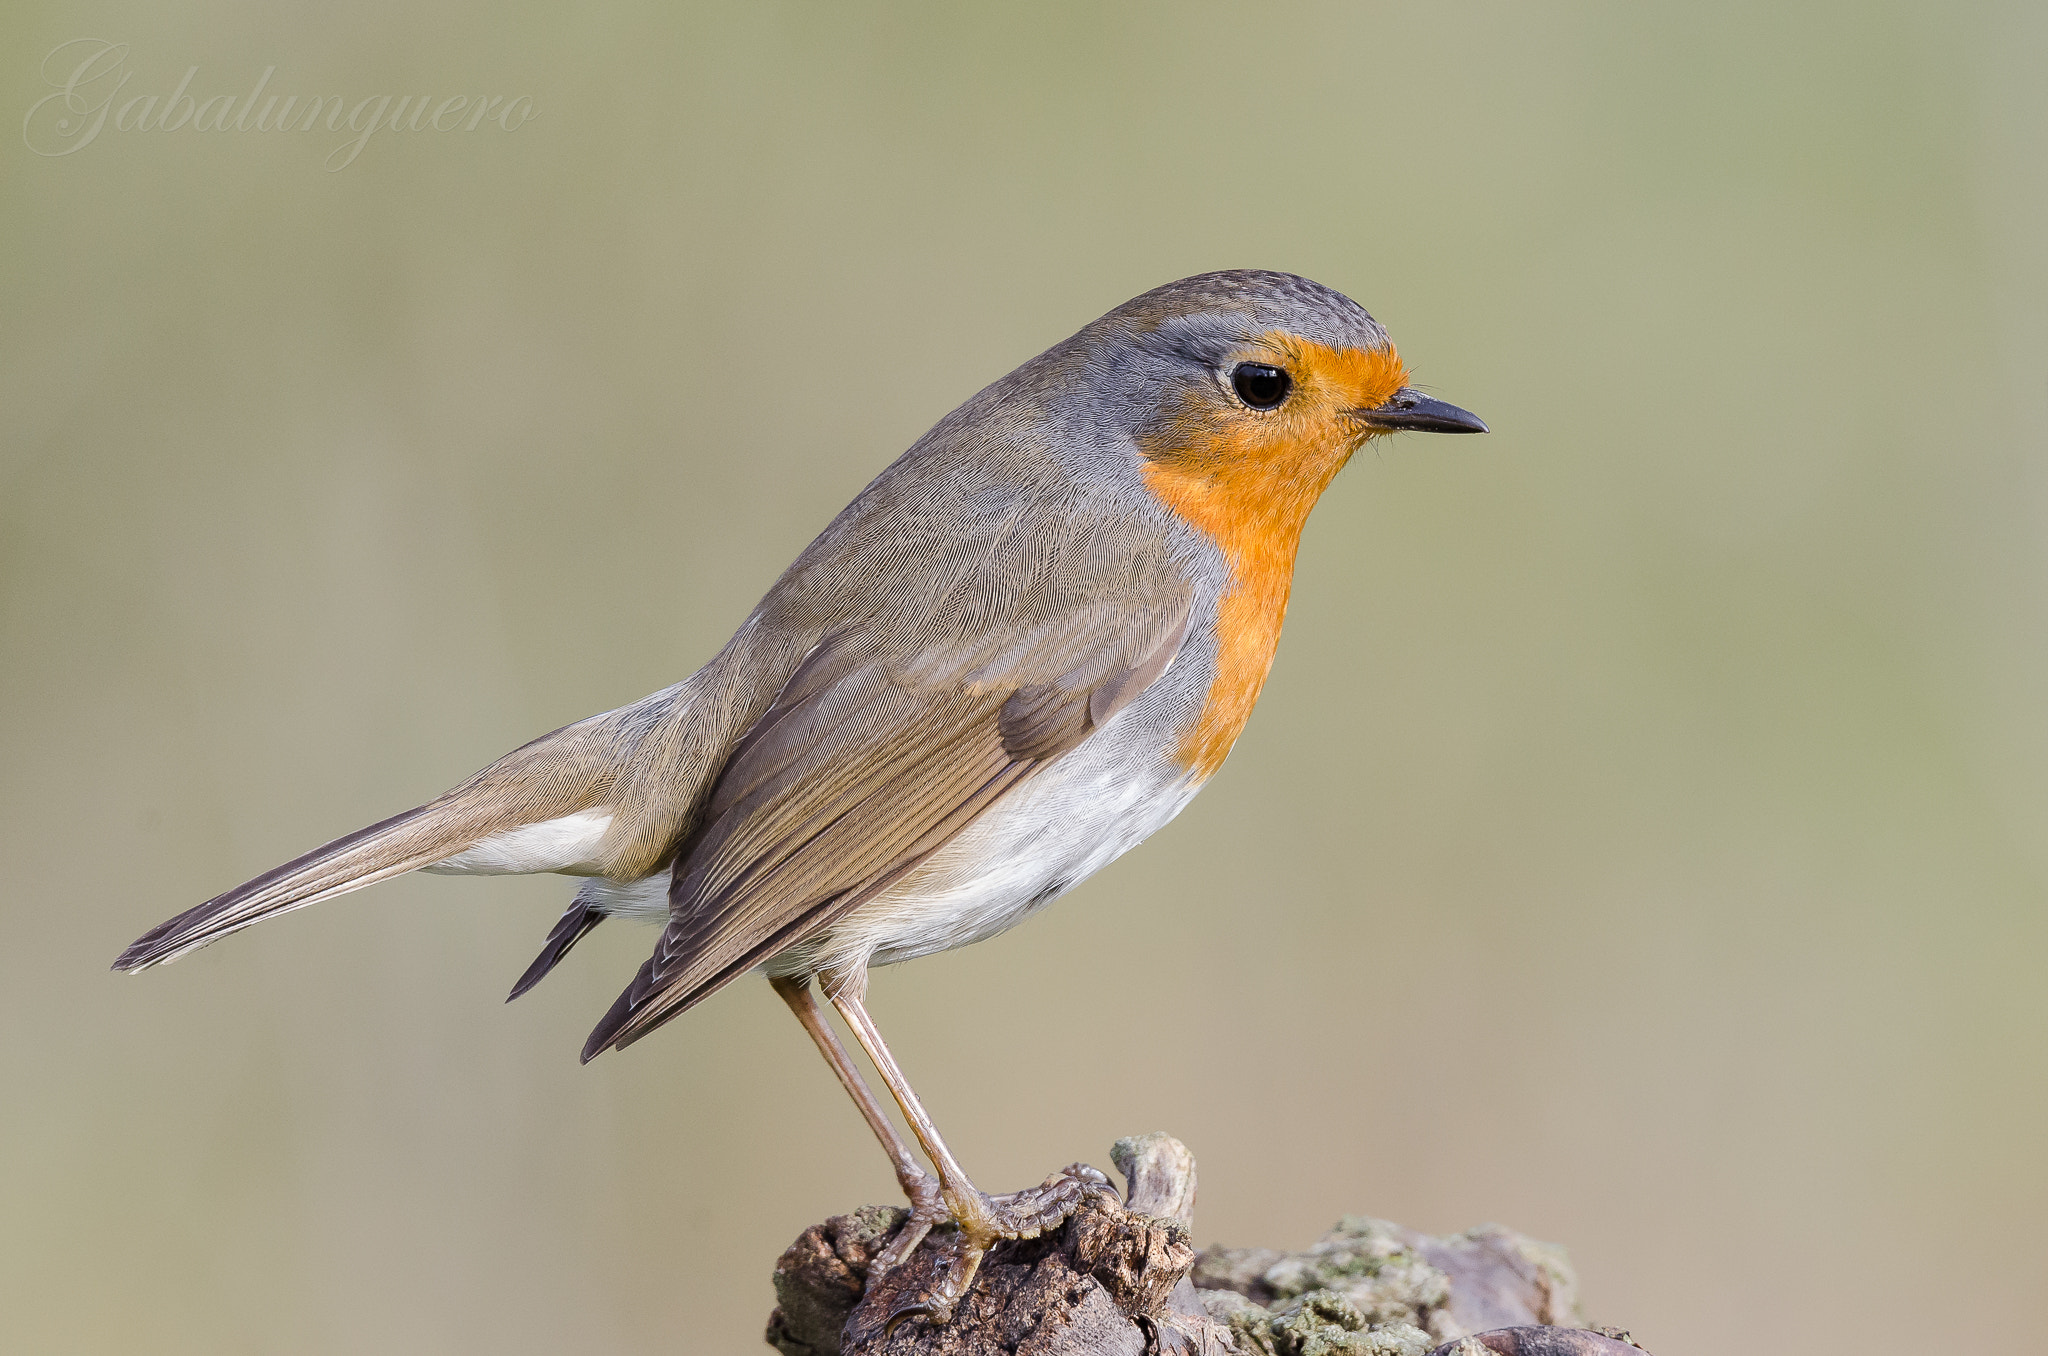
[[985, 1220], [1032, 1211], [927, 1208]]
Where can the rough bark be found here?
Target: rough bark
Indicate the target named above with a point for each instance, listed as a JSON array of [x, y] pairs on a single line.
[[1126, 1281]]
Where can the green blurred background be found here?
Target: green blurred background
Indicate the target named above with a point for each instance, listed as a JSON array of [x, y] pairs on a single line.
[[1640, 842]]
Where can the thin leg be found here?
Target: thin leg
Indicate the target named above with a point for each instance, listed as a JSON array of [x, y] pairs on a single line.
[[982, 1219], [847, 993], [927, 1206]]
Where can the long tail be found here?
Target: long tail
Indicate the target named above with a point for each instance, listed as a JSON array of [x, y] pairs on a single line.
[[405, 842], [563, 774]]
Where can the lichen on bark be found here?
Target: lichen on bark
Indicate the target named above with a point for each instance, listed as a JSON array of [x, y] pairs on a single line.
[[1124, 1278]]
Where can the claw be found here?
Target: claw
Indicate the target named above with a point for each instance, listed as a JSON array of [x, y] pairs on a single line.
[[903, 1313], [936, 1305], [983, 1220]]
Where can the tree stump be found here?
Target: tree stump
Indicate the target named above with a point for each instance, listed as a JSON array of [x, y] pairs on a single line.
[[1124, 1280]]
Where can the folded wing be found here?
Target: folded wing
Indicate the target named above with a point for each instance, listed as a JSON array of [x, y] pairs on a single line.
[[864, 766]]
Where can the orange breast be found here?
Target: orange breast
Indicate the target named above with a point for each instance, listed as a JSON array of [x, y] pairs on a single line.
[[1248, 481]]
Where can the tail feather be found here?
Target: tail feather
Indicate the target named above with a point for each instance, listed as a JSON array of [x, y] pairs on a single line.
[[539, 808], [402, 843], [573, 926]]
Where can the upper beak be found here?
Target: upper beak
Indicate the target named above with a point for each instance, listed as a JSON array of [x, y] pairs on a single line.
[[1411, 409]]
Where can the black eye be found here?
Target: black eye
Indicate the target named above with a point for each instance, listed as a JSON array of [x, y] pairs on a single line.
[[1260, 386]]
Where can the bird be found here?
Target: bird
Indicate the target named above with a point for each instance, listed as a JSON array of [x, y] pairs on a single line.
[[1020, 651]]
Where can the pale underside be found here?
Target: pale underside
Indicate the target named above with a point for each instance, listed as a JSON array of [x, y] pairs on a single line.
[[568, 845], [1048, 835]]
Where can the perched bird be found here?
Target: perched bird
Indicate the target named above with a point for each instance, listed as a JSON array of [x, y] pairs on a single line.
[[1021, 650]]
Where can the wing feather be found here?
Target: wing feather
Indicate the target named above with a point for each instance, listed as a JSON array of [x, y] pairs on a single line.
[[860, 771]]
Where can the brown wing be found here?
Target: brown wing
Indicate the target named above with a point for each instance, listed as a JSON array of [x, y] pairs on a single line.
[[862, 769]]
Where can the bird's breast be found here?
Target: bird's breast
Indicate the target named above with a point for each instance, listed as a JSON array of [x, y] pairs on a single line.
[[1256, 525]]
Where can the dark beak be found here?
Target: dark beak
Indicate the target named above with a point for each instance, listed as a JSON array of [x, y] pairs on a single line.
[[1411, 409]]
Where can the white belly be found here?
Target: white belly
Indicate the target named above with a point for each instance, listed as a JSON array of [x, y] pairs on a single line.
[[568, 845], [1046, 837]]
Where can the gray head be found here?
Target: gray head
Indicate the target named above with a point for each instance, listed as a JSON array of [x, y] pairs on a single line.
[[1221, 361], [1242, 302]]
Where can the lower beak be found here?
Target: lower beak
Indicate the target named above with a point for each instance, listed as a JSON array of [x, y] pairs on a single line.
[[1411, 409]]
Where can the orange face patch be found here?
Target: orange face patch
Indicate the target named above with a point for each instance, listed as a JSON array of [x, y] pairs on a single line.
[[1248, 478]]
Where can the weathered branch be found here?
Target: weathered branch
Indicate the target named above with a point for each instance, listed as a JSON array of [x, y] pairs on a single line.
[[1124, 1280]]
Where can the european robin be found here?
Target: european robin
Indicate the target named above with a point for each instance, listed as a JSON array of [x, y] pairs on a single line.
[[1021, 650]]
